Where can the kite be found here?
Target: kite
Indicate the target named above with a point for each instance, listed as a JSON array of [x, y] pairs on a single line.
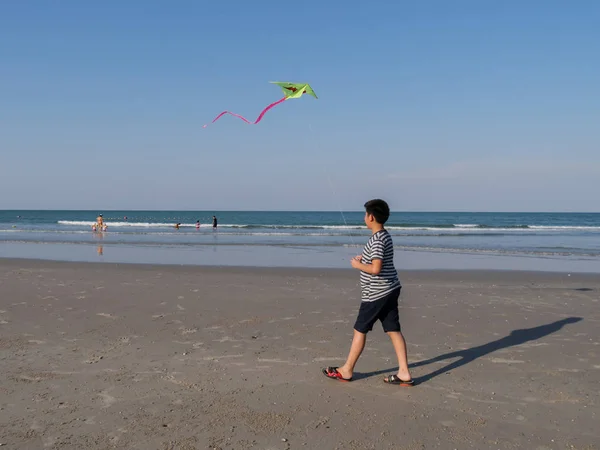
[[290, 90]]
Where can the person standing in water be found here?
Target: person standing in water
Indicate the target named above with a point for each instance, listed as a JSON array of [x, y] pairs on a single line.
[[99, 225], [214, 222]]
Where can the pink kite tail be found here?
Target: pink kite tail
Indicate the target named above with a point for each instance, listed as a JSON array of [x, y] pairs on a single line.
[[246, 120]]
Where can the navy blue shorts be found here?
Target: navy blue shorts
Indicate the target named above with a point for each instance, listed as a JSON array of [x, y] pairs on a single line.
[[385, 310]]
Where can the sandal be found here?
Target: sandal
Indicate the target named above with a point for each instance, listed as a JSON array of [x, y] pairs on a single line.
[[332, 372], [395, 379]]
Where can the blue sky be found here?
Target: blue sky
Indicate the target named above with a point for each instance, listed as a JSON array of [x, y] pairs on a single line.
[[433, 105]]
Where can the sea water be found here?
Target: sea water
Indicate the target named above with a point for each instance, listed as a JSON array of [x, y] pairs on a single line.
[[556, 236]]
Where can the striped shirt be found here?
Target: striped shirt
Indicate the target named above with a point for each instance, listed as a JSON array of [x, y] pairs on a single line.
[[374, 287]]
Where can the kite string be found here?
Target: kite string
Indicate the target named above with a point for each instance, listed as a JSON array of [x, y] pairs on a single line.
[[333, 191]]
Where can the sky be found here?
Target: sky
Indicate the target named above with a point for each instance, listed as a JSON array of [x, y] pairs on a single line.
[[466, 105]]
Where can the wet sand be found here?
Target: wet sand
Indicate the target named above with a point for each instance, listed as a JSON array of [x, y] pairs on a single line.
[[98, 356], [325, 257]]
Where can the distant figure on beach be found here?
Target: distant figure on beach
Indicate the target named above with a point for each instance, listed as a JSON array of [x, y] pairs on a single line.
[[197, 224], [214, 222], [99, 225], [177, 225], [380, 290]]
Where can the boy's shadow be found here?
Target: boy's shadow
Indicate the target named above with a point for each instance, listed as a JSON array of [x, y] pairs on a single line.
[[516, 337]]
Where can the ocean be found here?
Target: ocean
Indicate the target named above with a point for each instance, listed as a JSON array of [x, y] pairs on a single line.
[[559, 236]]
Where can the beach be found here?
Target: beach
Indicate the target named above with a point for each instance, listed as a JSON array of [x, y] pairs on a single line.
[[143, 356]]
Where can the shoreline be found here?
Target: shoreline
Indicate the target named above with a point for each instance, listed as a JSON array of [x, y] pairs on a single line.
[[290, 257], [507, 274]]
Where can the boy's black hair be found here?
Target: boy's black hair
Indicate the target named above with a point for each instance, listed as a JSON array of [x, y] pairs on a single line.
[[379, 209]]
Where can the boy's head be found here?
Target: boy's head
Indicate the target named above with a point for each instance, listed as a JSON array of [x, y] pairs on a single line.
[[376, 210]]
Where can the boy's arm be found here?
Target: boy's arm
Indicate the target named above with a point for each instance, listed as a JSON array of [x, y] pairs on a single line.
[[374, 268], [377, 254]]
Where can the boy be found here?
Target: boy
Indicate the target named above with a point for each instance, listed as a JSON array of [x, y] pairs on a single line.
[[380, 290]]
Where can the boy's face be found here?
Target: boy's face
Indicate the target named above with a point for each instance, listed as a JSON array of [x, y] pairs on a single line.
[[369, 220]]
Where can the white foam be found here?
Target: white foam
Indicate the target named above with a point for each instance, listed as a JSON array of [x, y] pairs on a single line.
[[126, 224], [205, 225], [562, 227], [456, 227]]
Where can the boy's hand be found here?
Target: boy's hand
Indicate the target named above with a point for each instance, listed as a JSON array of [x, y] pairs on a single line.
[[356, 262]]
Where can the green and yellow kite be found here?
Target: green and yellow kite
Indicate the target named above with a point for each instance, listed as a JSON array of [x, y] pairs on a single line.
[[290, 90]]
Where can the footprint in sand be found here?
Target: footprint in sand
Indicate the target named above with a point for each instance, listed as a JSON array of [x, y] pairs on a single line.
[[107, 315], [107, 399], [226, 339], [280, 361], [506, 361], [180, 308], [216, 358], [256, 369], [29, 378], [188, 330], [93, 359], [49, 441]]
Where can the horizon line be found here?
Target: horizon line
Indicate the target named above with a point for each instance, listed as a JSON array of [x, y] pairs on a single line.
[[98, 211]]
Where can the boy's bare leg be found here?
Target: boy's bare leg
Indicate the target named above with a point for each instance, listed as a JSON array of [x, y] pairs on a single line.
[[358, 345], [400, 347]]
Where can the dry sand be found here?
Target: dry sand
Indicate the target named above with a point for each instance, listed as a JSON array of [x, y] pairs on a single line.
[[98, 356]]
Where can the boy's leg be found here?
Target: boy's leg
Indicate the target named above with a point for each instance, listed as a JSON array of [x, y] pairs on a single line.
[[390, 320], [367, 316], [400, 347], [358, 345]]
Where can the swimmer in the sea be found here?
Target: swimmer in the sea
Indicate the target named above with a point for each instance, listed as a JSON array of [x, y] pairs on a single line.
[[99, 225]]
